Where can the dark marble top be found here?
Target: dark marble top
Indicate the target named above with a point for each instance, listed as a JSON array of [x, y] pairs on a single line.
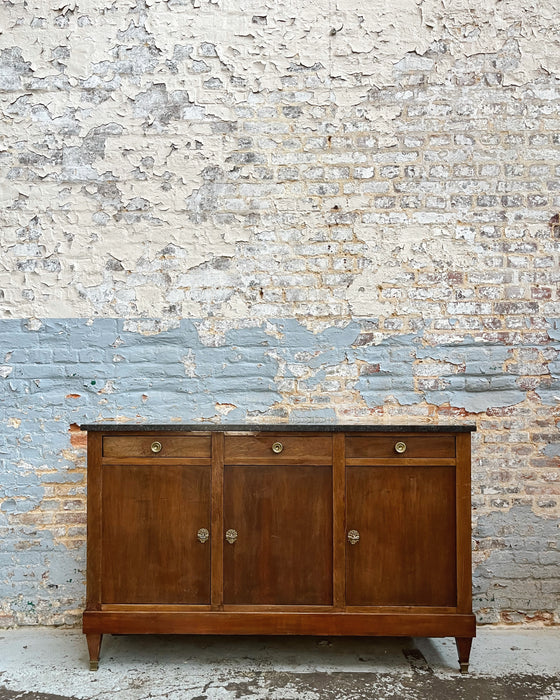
[[282, 427]]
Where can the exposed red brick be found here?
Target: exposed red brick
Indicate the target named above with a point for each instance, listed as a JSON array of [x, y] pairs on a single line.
[[78, 438]]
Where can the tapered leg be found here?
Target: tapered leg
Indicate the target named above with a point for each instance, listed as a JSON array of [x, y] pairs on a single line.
[[464, 648], [94, 647]]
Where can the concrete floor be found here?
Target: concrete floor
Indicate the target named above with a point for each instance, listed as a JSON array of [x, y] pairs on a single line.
[[51, 664]]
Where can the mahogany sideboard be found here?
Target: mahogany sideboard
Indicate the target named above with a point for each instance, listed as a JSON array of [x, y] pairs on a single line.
[[279, 529]]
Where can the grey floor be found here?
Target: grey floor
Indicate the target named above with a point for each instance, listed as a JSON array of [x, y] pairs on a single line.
[[508, 664]]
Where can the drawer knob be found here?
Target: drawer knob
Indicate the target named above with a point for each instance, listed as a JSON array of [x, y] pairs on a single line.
[[353, 537], [156, 446], [231, 536], [277, 447], [203, 535], [400, 447]]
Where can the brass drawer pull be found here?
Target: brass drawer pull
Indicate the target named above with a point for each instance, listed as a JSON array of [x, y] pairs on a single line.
[[231, 536], [156, 446], [203, 535], [353, 537], [277, 447], [400, 447]]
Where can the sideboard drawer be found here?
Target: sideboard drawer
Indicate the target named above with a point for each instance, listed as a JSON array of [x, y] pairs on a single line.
[[385, 446], [280, 448], [154, 445]]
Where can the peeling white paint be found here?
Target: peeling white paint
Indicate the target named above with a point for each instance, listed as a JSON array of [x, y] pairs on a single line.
[[135, 129]]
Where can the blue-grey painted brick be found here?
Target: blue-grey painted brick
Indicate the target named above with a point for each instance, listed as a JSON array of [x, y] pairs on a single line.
[[239, 369]]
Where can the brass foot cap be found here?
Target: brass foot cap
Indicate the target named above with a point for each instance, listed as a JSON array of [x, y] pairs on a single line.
[[93, 665], [464, 667]]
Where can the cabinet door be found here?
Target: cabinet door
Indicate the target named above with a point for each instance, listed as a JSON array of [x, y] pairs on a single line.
[[406, 554], [283, 519], [150, 552]]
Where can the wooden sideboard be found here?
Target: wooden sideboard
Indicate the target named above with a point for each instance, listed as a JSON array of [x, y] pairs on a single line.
[[297, 530]]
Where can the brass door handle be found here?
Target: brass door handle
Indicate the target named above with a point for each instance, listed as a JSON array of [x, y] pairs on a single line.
[[400, 447], [231, 536], [277, 447], [156, 446], [353, 536], [203, 535]]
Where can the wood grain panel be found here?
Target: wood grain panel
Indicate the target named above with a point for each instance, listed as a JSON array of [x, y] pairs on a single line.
[[94, 521], [151, 553], [217, 540], [381, 446], [407, 549], [171, 445], [335, 623], [401, 462], [257, 449], [283, 516], [464, 537], [339, 521]]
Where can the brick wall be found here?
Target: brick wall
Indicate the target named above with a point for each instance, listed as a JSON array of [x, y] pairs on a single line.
[[318, 212]]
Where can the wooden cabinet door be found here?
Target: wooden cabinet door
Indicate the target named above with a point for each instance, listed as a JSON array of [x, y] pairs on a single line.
[[150, 518], [283, 519], [406, 554]]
